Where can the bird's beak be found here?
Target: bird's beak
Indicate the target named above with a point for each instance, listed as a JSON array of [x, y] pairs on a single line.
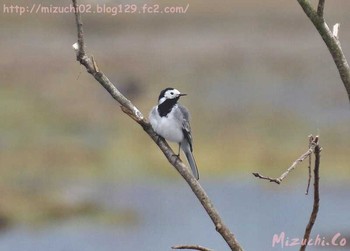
[[182, 94]]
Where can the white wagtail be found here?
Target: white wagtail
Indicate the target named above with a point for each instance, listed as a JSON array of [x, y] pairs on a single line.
[[171, 121]]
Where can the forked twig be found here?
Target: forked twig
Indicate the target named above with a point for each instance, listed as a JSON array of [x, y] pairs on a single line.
[[278, 180], [315, 148]]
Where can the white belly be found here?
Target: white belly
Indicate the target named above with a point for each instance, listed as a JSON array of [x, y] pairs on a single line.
[[167, 127]]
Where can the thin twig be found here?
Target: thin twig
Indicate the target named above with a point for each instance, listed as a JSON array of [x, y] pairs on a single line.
[[320, 8], [276, 180], [135, 114], [330, 40], [193, 247], [316, 204], [293, 166], [311, 138], [81, 49], [94, 64]]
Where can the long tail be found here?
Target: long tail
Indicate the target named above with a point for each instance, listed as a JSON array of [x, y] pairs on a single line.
[[191, 161]]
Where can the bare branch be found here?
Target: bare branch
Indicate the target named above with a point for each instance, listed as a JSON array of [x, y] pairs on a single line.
[[316, 204], [193, 247], [331, 41], [293, 166], [131, 110]]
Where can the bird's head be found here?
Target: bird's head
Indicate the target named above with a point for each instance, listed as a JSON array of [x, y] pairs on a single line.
[[169, 94]]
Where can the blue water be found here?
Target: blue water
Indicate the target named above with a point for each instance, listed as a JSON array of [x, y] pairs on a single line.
[[169, 214]]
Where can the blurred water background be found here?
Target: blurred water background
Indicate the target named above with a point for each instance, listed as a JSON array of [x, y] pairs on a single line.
[[77, 174]]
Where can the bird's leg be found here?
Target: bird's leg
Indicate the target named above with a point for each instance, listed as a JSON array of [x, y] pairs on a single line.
[[178, 153]]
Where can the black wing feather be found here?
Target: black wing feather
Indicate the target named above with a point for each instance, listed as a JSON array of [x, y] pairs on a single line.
[[186, 128]]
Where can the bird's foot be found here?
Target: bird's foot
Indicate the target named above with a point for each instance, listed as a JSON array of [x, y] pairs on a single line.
[[177, 156], [159, 139]]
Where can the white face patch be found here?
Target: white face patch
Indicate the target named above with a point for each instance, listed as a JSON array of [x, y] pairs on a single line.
[[170, 94]]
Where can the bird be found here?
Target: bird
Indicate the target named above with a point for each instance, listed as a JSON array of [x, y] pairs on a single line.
[[171, 120]]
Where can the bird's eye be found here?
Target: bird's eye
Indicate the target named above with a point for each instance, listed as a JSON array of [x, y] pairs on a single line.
[[171, 93]]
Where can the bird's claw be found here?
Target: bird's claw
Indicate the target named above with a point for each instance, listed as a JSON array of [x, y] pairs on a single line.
[[177, 156], [159, 139]]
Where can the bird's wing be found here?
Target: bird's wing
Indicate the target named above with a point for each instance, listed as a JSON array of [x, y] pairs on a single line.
[[186, 128]]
